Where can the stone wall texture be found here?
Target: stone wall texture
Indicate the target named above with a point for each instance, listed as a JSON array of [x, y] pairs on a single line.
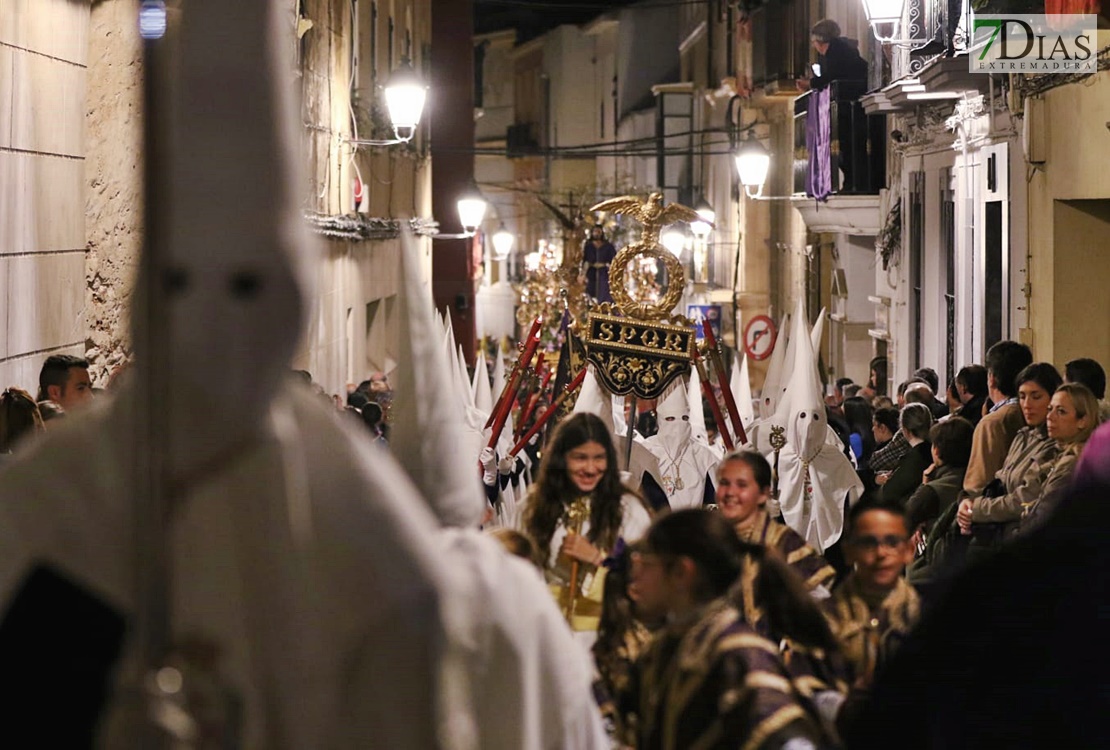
[[113, 201]]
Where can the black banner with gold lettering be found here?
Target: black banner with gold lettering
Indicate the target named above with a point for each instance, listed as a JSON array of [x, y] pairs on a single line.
[[638, 357]]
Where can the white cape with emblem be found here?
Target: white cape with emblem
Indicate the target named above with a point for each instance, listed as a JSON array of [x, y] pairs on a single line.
[[815, 477], [685, 461]]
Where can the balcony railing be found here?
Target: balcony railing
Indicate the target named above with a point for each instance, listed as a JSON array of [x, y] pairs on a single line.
[[857, 141]]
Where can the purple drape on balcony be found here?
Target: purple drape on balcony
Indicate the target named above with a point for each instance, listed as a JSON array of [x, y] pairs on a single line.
[[818, 175]]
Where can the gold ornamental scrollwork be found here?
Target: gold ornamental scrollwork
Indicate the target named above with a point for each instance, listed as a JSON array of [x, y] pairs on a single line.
[[653, 215], [639, 308], [644, 349], [636, 356]]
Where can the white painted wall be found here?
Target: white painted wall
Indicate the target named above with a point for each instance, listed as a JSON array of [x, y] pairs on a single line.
[[850, 342], [568, 60]]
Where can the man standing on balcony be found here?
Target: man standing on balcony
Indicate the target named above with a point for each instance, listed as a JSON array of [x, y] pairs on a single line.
[[838, 59]]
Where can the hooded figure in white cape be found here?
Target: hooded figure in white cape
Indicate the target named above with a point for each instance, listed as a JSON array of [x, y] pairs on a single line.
[[302, 559], [688, 465], [742, 390], [774, 381], [300, 556], [508, 477], [814, 474], [529, 682], [499, 486], [695, 400]]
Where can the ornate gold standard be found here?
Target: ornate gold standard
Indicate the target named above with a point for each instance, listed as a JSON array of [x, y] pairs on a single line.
[[644, 348], [551, 287], [637, 357]]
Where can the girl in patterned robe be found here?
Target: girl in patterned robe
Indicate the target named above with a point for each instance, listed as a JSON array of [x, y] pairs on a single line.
[[708, 680]]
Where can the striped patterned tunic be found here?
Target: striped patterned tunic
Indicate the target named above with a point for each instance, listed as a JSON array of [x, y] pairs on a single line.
[[792, 549], [869, 635], [715, 683]]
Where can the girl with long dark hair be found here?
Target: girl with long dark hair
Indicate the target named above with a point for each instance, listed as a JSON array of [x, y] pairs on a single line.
[[576, 512]]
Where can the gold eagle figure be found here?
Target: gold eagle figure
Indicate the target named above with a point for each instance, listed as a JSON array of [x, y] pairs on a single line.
[[651, 213]]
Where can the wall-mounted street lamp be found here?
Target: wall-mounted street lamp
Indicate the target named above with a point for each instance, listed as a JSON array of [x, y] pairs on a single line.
[[404, 98], [405, 94], [472, 209], [674, 240], [502, 243], [884, 15], [752, 164], [471, 206], [701, 229], [752, 159]]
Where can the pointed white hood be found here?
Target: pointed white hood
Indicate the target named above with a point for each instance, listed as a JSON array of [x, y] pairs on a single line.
[[815, 341], [235, 282], [429, 436], [673, 413], [773, 382], [483, 399], [464, 378], [802, 409], [817, 333], [697, 409], [742, 390], [594, 399]]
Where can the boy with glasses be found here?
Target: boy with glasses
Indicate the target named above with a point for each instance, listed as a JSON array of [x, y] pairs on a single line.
[[873, 608]]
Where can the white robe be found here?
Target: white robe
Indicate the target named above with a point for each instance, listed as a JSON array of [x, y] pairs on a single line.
[[531, 685], [340, 606], [820, 516], [308, 561], [635, 521], [692, 462]]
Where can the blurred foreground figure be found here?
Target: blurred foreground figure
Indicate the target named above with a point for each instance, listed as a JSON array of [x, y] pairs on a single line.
[[218, 523], [1008, 656]]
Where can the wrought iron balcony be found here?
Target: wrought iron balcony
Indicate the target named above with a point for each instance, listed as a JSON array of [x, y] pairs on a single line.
[[856, 161]]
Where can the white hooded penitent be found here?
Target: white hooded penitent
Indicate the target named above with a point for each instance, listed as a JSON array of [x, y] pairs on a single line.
[[290, 535], [512, 635], [814, 474], [773, 381], [685, 462], [697, 410], [741, 386]]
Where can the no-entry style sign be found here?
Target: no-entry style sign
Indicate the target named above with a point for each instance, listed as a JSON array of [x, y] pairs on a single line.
[[759, 337]]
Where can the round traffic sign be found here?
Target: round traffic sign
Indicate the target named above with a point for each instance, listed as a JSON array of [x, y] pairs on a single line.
[[759, 337]]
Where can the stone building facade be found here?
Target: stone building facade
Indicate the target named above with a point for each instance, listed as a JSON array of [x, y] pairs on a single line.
[[71, 171]]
